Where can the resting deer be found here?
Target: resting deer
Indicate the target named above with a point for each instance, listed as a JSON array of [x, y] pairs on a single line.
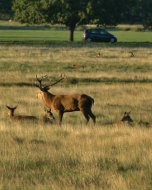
[[145, 123], [11, 111], [98, 54], [46, 119], [126, 120], [65, 103], [132, 54], [77, 66]]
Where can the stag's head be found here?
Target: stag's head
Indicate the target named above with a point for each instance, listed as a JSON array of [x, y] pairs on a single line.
[[45, 88]]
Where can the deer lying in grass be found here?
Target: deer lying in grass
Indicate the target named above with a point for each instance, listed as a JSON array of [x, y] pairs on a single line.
[[11, 111], [46, 119], [126, 120], [132, 54], [65, 103], [77, 66], [98, 54], [145, 123]]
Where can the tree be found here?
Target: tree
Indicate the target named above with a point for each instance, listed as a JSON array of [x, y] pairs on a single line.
[[68, 12], [29, 11]]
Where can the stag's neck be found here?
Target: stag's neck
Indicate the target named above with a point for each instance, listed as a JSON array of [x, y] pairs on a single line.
[[48, 98], [48, 95]]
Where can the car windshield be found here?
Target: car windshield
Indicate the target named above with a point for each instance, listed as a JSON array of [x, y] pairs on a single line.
[[98, 31], [103, 32]]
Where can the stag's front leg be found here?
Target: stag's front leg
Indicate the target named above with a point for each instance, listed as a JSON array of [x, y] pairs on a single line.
[[60, 117]]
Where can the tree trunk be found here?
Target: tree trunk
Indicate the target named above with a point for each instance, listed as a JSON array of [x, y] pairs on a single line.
[[71, 29]]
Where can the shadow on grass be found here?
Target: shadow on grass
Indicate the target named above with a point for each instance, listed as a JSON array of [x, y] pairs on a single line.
[[75, 81], [18, 84], [79, 44]]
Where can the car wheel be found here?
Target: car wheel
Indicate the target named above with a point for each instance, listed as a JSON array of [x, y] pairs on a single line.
[[89, 40], [112, 40]]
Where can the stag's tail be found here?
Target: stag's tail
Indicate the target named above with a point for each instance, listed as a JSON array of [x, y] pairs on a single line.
[[88, 100]]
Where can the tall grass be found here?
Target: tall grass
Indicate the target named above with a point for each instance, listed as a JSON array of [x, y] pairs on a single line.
[[76, 156], [37, 157]]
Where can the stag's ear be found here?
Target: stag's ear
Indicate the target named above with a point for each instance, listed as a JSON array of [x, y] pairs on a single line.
[[46, 88]]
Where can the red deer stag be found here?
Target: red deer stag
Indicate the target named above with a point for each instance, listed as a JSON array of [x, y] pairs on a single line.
[[65, 103], [126, 120], [19, 117]]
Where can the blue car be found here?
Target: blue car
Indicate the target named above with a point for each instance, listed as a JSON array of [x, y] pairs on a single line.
[[98, 35]]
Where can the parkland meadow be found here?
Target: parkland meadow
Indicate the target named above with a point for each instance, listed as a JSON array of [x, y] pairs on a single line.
[[76, 156]]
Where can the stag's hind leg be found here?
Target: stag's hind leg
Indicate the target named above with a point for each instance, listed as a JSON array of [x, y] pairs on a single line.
[[93, 117], [86, 115]]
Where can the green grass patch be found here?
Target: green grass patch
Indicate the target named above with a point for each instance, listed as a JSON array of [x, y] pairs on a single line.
[[38, 36]]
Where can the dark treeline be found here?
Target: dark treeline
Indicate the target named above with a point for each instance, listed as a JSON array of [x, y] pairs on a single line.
[[72, 13], [6, 9]]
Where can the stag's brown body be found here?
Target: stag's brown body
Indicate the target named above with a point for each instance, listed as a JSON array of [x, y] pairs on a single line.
[[67, 103]]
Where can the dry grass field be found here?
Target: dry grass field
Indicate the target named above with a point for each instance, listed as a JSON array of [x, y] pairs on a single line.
[[76, 156]]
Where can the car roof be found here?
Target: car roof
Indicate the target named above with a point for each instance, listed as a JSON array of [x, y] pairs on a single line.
[[95, 29]]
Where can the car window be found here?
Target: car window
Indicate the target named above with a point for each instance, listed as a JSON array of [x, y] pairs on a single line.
[[102, 32], [93, 31]]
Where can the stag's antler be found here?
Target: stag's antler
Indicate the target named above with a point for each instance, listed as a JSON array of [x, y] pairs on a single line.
[[62, 77], [40, 80], [46, 87]]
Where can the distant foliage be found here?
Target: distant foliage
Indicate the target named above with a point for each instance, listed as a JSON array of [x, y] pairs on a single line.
[[5, 9], [106, 12], [27, 11], [147, 13]]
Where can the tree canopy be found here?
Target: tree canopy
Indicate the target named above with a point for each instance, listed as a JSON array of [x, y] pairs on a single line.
[[5, 9], [29, 11], [146, 13], [68, 12]]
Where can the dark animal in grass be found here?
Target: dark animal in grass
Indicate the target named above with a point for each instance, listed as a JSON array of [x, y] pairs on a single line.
[[126, 120]]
